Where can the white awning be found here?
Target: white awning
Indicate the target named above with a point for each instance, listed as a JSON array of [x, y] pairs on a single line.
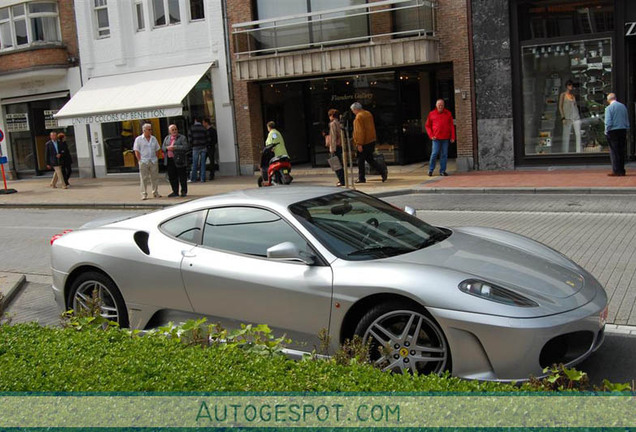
[[132, 96]]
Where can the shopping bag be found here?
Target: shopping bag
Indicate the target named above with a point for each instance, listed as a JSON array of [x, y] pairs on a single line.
[[334, 163]]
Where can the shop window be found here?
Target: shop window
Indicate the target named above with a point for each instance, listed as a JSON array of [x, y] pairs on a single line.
[[162, 7], [100, 8], [540, 20], [564, 88], [197, 10], [22, 26], [140, 22]]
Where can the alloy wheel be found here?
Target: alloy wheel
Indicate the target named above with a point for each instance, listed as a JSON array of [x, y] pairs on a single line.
[[407, 341]]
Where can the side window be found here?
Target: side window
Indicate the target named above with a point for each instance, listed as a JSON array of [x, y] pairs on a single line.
[[186, 227], [248, 230]]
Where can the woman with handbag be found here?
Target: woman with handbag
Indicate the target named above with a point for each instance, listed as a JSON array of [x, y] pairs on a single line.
[[333, 142], [175, 149]]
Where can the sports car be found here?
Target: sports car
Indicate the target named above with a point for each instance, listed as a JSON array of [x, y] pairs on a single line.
[[483, 303]]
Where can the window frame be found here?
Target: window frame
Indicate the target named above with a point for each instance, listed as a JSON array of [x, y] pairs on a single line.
[[166, 13], [138, 8], [96, 10], [190, 11], [27, 18]]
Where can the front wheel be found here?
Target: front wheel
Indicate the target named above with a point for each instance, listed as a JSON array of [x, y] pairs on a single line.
[[94, 285], [259, 182], [404, 339]]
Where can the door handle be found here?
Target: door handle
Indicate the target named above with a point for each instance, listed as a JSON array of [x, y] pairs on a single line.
[[188, 254]]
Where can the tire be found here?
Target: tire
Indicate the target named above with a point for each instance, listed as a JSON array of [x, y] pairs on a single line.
[[384, 325], [259, 182], [278, 178], [112, 302]]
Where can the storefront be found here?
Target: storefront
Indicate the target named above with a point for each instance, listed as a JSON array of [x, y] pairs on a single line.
[[29, 103], [116, 107], [567, 56], [399, 101]]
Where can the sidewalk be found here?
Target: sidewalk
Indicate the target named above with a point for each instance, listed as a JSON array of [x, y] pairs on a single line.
[[117, 191]]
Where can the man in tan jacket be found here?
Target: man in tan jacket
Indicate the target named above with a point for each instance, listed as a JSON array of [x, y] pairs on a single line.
[[364, 139]]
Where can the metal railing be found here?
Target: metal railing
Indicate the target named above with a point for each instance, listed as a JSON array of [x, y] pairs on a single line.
[[344, 25]]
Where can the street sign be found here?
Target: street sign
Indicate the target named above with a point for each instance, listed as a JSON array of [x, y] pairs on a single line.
[[3, 160], [1, 135]]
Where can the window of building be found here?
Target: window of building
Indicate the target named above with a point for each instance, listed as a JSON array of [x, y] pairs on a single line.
[[566, 64], [197, 10], [101, 18], [413, 17], [140, 21], [322, 27], [21, 25], [161, 7]]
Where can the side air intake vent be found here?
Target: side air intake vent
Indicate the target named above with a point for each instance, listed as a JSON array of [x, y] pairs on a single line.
[[141, 238]]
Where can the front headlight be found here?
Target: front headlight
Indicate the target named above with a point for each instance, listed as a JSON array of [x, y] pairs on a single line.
[[495, 293]]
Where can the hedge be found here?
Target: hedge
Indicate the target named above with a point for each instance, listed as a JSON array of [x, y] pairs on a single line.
[[35, 358]]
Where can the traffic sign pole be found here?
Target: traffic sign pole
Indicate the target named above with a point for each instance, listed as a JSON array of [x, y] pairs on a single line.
[[3, 160]]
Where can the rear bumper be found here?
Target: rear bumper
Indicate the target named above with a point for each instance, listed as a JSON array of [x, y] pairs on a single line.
[[511, 349], [58, 289]]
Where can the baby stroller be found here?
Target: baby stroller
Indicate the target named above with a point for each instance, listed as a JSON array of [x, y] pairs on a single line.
[[275, 170]]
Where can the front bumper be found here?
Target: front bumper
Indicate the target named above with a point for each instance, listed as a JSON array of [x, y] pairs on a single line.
[[490, 347]]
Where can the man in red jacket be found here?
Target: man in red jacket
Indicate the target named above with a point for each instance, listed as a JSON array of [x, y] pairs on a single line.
[[440, 128]]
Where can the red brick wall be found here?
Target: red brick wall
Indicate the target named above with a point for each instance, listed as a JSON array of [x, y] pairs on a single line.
[[452, 30], [247, 96], [39, 57]]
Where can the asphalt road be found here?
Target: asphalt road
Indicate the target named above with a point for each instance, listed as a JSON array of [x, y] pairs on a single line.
[[596, 231]]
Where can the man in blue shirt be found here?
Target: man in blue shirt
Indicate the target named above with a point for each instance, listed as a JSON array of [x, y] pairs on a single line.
[[616, 125]]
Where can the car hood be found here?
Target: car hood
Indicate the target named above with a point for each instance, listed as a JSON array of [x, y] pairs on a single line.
[[505, 259]]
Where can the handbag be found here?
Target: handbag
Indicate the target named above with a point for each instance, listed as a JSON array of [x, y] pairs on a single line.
[[334, 163]]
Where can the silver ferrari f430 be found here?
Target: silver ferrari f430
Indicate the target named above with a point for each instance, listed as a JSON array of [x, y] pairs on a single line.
[[483, 303]]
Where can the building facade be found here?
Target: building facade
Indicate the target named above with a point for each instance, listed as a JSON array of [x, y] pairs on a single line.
[[38, 71], [149, 61], [526, 54], [294, 60]]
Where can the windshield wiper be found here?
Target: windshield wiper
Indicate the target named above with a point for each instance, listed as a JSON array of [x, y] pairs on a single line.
[[434, 238], [381, 251]]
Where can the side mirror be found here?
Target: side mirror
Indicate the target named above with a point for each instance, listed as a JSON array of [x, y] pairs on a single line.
[[410, 210], [289, 252]]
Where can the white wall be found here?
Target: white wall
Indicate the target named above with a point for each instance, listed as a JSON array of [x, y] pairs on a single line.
[[127, 50]]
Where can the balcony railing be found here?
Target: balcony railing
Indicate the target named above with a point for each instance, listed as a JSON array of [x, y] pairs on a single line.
[[320, 29]]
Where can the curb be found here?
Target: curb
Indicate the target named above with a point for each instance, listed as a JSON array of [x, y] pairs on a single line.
[[12, 290], [379, 194]]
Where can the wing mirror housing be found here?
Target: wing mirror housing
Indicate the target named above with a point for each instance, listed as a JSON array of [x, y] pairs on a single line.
[[410, 210], [287, 251]]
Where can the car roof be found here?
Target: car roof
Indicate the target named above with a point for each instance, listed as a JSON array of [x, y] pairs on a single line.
[[282, 196]]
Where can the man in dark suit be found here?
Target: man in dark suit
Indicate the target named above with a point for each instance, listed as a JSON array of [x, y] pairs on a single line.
[[55, 153]]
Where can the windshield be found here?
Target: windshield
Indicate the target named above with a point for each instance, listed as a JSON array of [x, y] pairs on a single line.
[[356, 227]]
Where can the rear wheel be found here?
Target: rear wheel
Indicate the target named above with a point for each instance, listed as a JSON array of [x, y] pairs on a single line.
[[93, 285], [404, 339], [278, 178]]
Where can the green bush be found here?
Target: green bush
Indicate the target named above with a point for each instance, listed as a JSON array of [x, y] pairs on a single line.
[[34, 358]]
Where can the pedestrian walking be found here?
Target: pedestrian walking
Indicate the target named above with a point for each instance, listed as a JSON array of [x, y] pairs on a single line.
[[175, 157], [440, 128], [212, 144], [146, 148], [53, 157], [199, 140], [67, 159], [364, 138], [616, 125], [333, 141]]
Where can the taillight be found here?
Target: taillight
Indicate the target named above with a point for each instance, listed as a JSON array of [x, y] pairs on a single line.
[[57, 236]]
